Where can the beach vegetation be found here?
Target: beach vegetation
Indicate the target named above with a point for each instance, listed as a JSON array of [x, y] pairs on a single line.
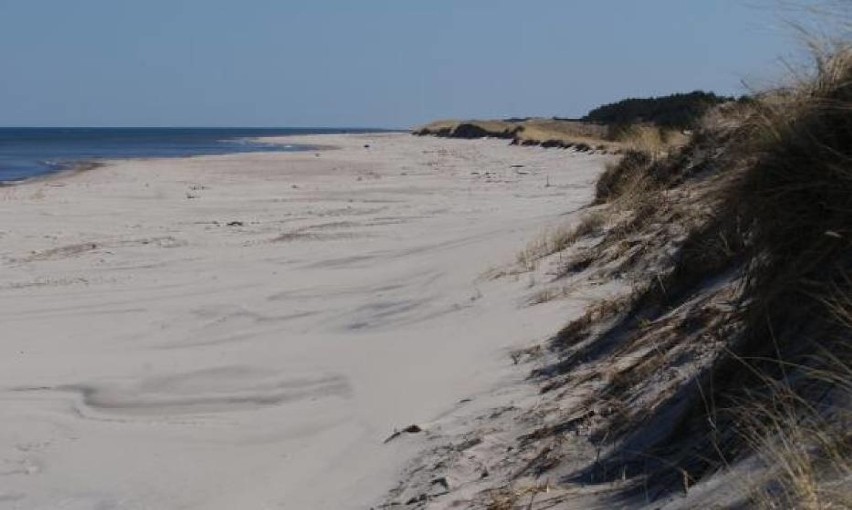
[[732, 350], [676, 111]]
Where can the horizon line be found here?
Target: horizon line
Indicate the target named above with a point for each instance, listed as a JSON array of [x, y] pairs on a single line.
[[377, 128]]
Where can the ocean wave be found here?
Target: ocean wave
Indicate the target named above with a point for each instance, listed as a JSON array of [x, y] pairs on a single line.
[[257, 142], [53, 163]]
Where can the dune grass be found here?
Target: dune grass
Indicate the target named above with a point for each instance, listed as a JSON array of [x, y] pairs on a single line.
[[760, 198], [783, 214], [797, 201]]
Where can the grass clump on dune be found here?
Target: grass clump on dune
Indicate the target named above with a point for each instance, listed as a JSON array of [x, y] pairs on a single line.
[[619, 176]]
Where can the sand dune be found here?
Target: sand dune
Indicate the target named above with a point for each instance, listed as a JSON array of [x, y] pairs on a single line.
[[245, 331]]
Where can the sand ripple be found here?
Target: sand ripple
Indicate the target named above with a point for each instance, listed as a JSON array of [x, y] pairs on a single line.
[[214, 390]]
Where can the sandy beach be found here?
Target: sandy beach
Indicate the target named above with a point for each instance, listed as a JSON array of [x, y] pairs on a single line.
[[245, 331]]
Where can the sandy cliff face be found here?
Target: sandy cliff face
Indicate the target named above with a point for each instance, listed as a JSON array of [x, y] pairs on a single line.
[[549, 133]]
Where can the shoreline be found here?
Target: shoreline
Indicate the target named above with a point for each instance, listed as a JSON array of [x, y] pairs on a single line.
[[276, 143], [65, 171], [245, 330]]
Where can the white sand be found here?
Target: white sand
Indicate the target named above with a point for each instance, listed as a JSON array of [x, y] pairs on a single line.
[[154, 357]]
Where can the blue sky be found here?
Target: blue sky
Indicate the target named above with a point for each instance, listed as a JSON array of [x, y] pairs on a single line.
[[382, 63]]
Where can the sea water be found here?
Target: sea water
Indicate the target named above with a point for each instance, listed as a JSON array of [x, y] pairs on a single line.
[[31, 152]]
